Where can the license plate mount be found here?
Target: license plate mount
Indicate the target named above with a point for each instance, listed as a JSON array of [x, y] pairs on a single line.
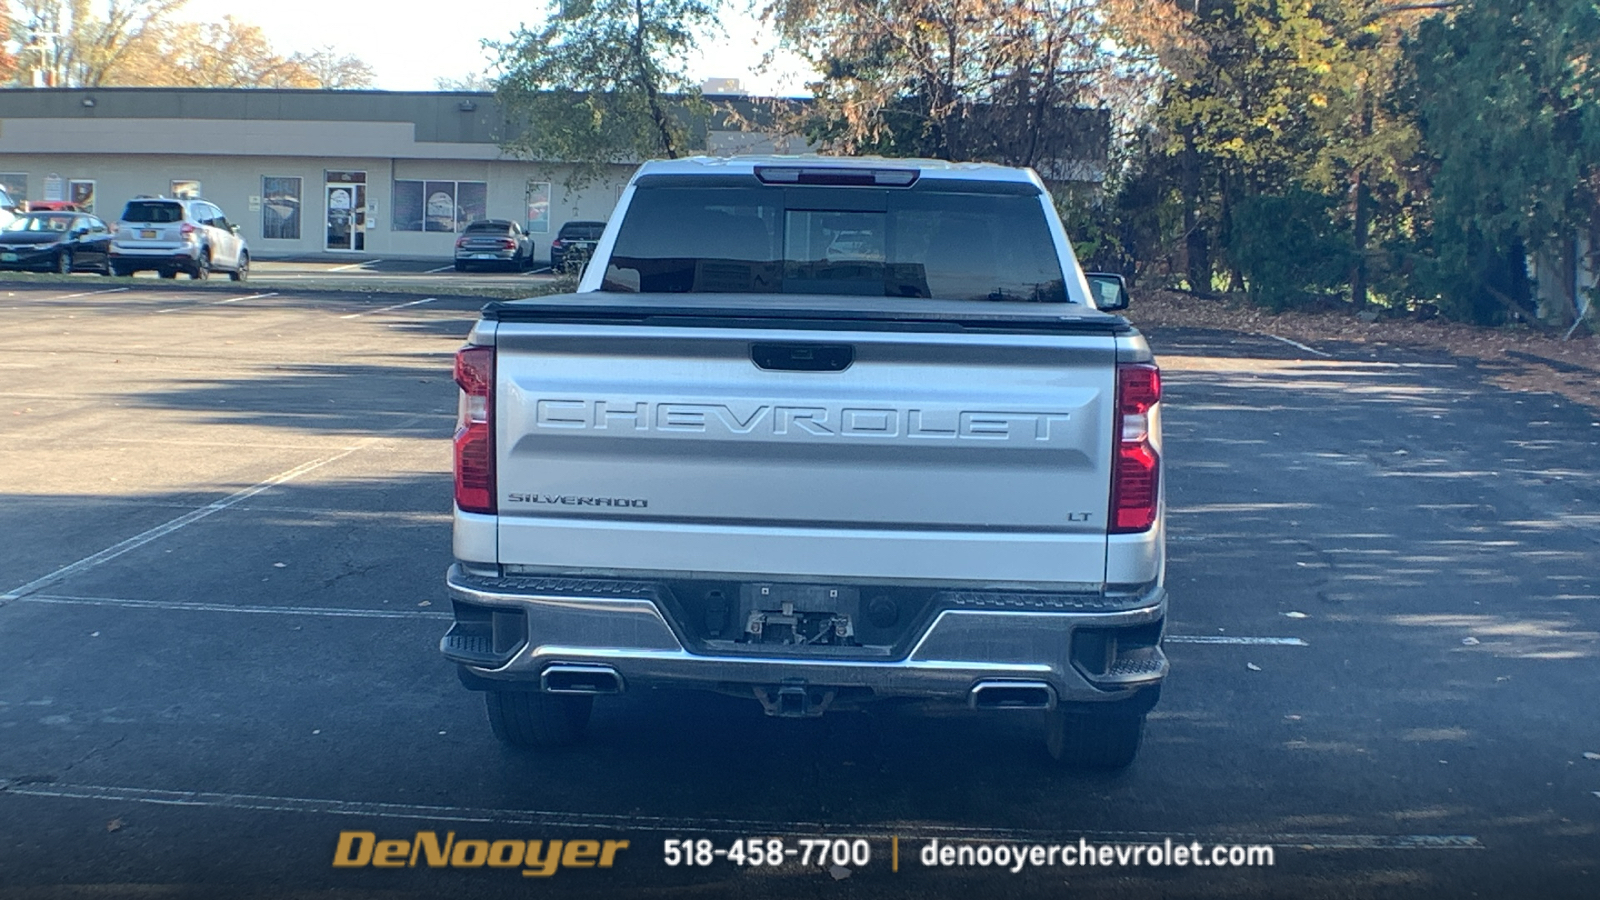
[[799, 614], [148, 234]]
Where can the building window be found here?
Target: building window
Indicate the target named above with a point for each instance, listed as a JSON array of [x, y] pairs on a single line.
[[438, 205], [538, 207], [15, 184], [280, 208], [81, 192], [186, 189]]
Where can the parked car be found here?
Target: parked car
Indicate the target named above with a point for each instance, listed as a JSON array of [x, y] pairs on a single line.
[[52, 206], [170, 236], [574, 244], [62, 242], [497, 242]]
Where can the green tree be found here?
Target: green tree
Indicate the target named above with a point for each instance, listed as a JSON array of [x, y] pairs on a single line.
[[603, 82], [997, 80], [1510, 96]]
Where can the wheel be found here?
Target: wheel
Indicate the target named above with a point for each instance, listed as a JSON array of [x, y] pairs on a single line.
[[169, 273], [532, 719], [64, 262], [1105, 742], [108, 269], [121, 271], [460, 266], [242, 271], [202, 267]]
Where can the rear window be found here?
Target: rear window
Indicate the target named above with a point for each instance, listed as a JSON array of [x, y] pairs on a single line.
[[154, 212], [944, 244], [582, 231], [488, 228]]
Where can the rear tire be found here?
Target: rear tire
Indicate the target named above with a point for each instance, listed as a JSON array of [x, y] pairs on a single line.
[[121, 271], [169, 273], [64, 262], [202, 268], [530, 719], [242, 271], [460, 266], [1100, 742]]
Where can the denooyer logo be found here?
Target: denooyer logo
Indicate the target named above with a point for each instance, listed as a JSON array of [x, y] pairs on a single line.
[[536, 859]]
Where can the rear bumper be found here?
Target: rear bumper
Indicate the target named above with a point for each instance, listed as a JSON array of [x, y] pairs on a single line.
[[510, 637], [181, 257]]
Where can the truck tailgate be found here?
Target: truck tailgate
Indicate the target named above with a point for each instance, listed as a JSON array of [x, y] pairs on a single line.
[[996, 443]]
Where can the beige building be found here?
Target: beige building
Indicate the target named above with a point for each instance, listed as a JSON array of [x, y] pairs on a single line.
[[362, 174], [357, 173]]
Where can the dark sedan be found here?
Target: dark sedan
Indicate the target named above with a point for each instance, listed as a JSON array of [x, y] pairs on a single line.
[[574, 244], [61, 242]]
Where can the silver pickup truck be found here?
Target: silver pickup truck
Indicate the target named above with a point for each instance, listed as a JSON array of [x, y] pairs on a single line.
[[816, 432]]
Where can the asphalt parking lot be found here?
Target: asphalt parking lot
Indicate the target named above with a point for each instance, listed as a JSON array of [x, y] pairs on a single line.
[[225, 523]]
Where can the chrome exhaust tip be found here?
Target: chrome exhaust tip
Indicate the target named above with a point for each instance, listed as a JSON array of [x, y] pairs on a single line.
[[1012, 695], [566, 678]]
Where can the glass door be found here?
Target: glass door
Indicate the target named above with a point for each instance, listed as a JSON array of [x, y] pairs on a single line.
[[347, 211]]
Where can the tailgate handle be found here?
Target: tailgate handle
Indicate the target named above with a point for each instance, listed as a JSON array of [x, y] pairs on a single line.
[[803, 357]]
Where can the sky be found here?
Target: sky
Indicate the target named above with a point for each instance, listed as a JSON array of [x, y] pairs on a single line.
[[409, 46]]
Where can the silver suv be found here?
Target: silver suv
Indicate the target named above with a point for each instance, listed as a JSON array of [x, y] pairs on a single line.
[[171, 236]]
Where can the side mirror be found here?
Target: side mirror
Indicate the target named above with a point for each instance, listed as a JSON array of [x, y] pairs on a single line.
[[1110, 291], [233, 228], [80, 232]]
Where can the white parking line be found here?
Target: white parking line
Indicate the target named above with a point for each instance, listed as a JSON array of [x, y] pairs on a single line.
[[182, 606], [1301, 346], [373, 312], [359, 265], [348, 613], [166, 528], [687, 824], [87, 294], [251, 297], [1229, 639], [440, 269]]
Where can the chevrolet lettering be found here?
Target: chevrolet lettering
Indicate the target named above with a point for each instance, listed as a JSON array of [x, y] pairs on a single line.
[[819, 433], [849, 421]]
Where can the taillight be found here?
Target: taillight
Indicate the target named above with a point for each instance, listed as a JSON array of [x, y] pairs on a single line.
[[1136, 470], [474, 438], [555, 244], [461, 241], [508, 243], [187, 230]]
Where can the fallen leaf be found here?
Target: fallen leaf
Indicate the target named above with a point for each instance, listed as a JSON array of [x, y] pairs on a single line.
[[1296, 615], [1591, 755], [1252, 667], [839, 873], [426, 603], [1471, 641], [114, 825], [280, 565]]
